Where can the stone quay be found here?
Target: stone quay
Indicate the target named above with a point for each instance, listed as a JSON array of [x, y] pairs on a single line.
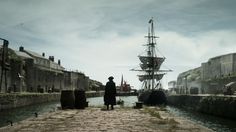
[[122, 119]]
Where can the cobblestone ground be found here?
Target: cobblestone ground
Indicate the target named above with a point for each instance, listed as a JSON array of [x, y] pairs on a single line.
[[97, 119]]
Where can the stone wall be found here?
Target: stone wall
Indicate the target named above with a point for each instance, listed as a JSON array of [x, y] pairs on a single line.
[[94, 94], [210, 78], [9, 101], [189, 80], [222, 106], [217, 72], [31, 72], [75, 80], [14, 100]]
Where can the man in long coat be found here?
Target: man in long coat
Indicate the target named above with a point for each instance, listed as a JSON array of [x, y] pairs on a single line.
[[110, 93]]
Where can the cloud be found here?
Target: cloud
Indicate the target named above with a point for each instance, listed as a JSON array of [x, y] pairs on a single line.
[[184, 52], [116, 55], [103, 38]]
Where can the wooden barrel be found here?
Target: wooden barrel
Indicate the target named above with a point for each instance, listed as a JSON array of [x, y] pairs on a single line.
[[67, 99], [80, 99]]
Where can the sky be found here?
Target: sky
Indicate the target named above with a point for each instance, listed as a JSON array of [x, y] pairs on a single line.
[[103, 38]]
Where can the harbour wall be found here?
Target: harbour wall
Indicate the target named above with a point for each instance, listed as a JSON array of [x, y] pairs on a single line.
[[15, 100], [90, 94], [127, 94], [217, 105]]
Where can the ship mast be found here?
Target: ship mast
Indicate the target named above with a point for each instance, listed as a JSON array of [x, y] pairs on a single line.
[[150, 62], [151, 74], [153, 50], [151, 53]]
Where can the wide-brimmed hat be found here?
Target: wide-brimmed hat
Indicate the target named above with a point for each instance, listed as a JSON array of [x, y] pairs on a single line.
[[111, 77]]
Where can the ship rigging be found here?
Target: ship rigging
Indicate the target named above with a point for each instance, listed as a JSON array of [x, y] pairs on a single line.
[[151, 91], [151, 63]]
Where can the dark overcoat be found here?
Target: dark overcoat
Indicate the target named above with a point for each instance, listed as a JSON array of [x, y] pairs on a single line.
[[110, 93]]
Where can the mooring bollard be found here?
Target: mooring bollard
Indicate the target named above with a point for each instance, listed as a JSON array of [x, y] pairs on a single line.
[[139, 105], [36, 114], [86, 104]]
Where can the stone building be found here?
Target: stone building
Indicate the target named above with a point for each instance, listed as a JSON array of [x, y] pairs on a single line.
[[19, 71], [27, 71], [217, 72], [5, 73], [15, 74], [210, 78], [189, 82], [172, 86], [42, 74], [75, 80]]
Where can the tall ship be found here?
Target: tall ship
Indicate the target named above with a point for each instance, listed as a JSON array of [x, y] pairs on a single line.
[[151, 92]]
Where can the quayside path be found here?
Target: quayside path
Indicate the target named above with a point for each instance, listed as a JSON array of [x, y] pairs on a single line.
[[148, 119]]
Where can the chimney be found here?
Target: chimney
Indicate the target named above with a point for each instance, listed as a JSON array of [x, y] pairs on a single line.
[[5, 43], [59, 62], [51, 58], [43, 54], [21, 48]]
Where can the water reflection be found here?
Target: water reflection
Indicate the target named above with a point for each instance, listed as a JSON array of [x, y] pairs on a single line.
[[129, 101], [22, 113], [212, 122]]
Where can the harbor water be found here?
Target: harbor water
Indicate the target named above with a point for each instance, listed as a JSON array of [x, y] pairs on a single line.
[[214, 123], [22, 113]]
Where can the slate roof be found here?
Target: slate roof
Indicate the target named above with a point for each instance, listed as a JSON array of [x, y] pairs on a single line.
[[23, 55], [34, 54]]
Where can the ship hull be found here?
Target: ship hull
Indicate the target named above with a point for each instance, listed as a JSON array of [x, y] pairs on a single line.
[[153, 97]]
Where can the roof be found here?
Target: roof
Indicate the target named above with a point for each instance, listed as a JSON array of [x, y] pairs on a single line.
[[49, 69], [23, 55], [58, 67], [218, 57], [34, 54]]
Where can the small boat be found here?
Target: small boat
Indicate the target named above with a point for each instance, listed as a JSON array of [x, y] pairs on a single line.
[[125, 89], [151, 92]]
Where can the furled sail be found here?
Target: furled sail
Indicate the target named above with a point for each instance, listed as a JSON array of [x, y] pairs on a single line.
[[151, 62], [149, 77], [151, 74]]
